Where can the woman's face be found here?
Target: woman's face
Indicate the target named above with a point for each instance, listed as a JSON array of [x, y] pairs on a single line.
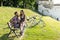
[[21, 12]]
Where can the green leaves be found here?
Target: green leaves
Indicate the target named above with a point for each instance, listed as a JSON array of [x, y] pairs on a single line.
[[19, 3]]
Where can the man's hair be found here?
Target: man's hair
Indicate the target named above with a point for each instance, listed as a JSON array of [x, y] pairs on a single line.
[[15, 13]]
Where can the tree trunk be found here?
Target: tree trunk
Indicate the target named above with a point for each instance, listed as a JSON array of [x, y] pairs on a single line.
[[24, 4], [1, 3]]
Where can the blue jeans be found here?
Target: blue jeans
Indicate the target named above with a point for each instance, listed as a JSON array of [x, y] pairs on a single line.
[[16, 25]]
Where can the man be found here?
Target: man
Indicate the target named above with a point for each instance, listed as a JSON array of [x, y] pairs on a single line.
[[15, 20]]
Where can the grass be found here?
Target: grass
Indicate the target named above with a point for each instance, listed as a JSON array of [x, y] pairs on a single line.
[[51, 30]]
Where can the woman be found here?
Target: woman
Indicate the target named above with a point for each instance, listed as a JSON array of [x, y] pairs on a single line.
[[22, 21]]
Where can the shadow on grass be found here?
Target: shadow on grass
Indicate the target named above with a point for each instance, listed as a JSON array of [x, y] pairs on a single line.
[[5, 37]]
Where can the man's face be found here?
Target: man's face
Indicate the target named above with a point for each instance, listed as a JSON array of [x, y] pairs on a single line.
[[16, 14]]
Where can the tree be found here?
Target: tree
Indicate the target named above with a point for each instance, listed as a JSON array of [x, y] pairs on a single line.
[[24, 3], [1, 2], [19, 3], [15, 3], [30, 4]]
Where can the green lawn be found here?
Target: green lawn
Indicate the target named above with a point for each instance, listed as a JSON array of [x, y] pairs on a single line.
[[51, 30]]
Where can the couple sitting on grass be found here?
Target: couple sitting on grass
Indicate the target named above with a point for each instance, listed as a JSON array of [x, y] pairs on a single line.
[[18, 21]]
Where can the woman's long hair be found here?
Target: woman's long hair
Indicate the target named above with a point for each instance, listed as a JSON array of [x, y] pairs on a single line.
[[22, 12]]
